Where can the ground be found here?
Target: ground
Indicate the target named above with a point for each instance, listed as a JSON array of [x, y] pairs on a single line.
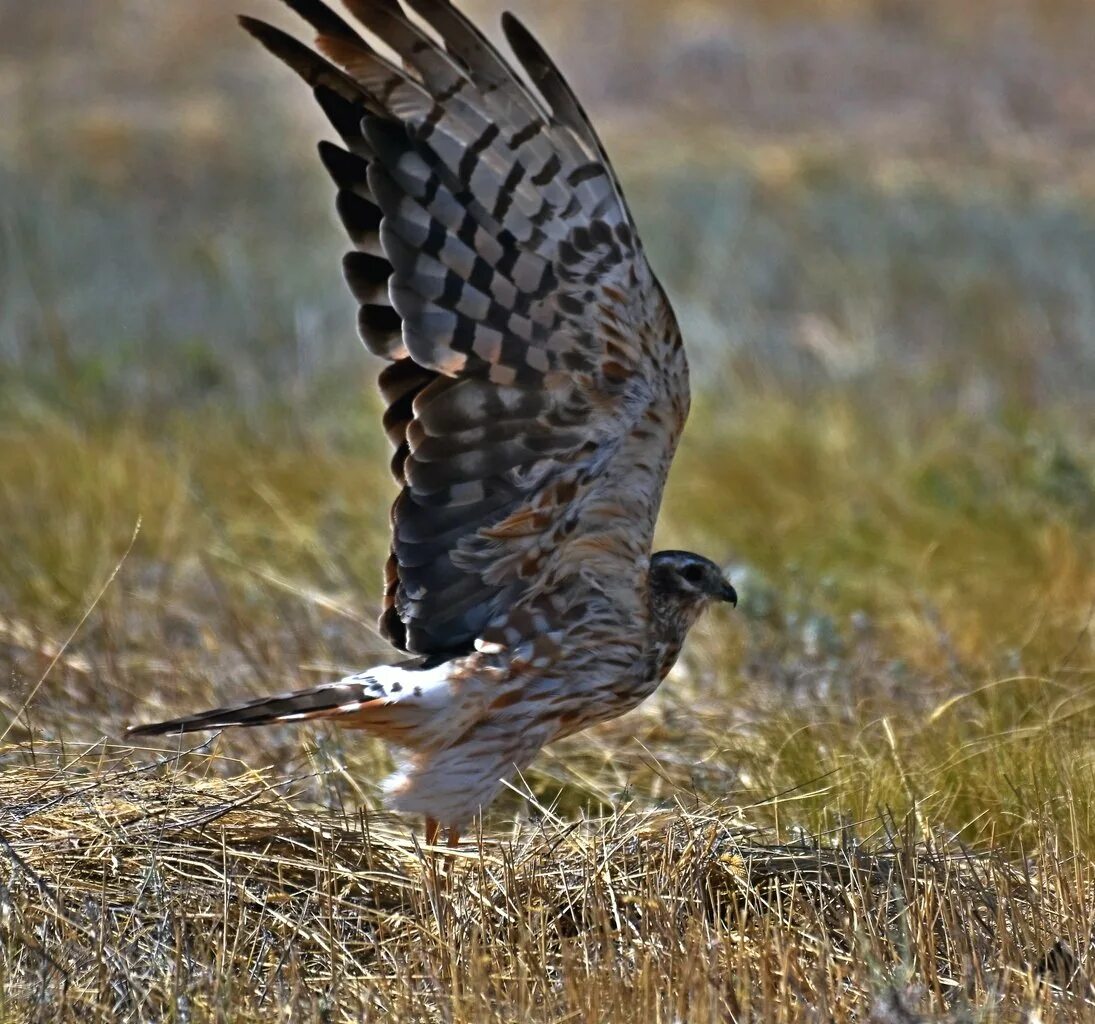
[[867, 793]]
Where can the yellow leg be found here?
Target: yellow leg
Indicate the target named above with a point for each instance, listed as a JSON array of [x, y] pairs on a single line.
[[432, 829]]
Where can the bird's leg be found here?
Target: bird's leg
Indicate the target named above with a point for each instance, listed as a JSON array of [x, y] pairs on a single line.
[[433, 831]]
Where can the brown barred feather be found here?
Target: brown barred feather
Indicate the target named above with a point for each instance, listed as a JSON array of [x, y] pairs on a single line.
[[495, 265], [564, 104], [485, 67]]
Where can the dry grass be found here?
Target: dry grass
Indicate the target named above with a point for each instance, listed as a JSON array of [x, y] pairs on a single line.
[[868, 794], [868, 790], [141, 891]]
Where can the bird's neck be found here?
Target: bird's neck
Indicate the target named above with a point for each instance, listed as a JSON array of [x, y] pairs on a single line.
[[670, 619]]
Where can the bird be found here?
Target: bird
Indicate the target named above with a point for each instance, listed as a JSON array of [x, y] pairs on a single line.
[[536, 385]]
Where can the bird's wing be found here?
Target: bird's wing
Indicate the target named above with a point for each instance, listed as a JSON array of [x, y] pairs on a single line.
[[536, 384]]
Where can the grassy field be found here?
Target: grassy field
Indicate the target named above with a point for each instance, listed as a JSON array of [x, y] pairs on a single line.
[[867, 794]]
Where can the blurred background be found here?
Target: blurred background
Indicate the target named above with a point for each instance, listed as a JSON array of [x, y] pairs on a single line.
[[876, 220], [832, 189]]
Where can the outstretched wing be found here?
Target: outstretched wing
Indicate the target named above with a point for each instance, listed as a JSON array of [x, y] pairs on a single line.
[[537, 383]]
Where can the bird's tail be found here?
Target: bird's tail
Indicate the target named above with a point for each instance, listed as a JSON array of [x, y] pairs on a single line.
[[343, 698]]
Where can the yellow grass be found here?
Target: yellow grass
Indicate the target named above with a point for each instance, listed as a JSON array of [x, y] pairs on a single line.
[[870, 784], [150, 891]]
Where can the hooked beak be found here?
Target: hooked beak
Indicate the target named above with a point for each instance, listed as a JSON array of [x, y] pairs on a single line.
[[728, 593]]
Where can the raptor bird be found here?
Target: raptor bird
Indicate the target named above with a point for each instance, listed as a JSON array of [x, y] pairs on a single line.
[[536, 387]]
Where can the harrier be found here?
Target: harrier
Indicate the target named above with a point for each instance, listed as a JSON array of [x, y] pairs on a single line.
[[536, 387]]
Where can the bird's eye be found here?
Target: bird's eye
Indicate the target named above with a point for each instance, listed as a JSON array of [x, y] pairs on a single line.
[[692, 573]]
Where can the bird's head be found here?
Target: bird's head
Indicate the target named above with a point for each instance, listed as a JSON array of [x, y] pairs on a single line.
[[681, 586], [688, 581]]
